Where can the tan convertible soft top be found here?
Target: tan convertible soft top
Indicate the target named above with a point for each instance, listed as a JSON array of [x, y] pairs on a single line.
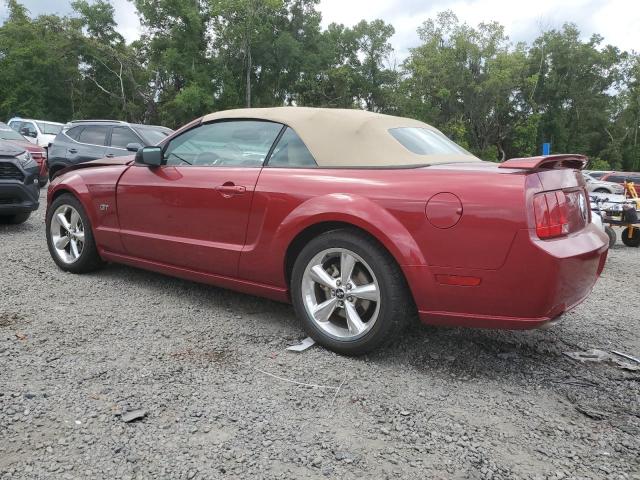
[[344, 138]]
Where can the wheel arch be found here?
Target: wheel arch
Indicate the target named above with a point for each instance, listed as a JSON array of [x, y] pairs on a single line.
[[363, 216], [73, 186], [303, 237]]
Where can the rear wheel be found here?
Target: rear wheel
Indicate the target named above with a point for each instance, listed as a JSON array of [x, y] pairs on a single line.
[[69, 236], [611, 233], [349, 292], [634, 239]]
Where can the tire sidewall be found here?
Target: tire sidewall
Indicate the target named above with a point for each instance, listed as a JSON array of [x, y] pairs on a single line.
[[89, 257], [378, 260], [634, 241]]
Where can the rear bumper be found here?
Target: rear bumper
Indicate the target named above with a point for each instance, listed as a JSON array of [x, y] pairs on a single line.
[[539, 281], [16, 197]]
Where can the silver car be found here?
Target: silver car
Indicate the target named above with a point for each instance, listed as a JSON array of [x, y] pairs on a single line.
[[599, 186]]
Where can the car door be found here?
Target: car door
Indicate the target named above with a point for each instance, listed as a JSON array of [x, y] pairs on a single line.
[[193, 210], [90, 145]]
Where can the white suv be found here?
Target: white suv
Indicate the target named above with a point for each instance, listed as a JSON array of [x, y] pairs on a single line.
[[39, 132]]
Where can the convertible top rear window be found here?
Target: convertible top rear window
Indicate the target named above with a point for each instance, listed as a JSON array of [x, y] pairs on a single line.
[[423, 141]]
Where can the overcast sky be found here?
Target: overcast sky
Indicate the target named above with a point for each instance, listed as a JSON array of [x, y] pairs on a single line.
[[618, 21]]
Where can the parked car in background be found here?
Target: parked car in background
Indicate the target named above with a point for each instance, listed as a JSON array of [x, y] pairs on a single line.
[[597, 174], [39, 132], [363, 221], [38, 154], [621, 177], [601, 186], [85, 140], [19, 189]]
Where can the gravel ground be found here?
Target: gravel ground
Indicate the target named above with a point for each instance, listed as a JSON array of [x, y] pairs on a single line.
[[80, 353]]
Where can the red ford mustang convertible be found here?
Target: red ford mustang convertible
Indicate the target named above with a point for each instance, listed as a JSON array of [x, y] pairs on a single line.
[[358, 219]]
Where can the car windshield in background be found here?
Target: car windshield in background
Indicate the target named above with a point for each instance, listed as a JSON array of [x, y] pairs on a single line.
[[153, 135], [8, 133], [49, 128], [423, 141]]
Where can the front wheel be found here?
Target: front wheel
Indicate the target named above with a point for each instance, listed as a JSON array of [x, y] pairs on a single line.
[[631, 239], [69, 236], [349, 292]]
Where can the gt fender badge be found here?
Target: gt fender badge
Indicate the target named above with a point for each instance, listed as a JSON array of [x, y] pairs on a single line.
[[104, 207]]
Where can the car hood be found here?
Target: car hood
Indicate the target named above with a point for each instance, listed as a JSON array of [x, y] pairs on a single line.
[[27, 145], [102, 162], [10, 150]]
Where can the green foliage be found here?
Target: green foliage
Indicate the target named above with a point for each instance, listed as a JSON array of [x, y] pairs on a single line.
[[494, 98], [599, 164]]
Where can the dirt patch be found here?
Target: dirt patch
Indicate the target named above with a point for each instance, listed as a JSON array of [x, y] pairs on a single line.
[[10, 319]]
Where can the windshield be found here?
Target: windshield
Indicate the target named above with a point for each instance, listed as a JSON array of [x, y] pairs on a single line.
[[153, 135], [423, 141], [49, 128], [8, 133]]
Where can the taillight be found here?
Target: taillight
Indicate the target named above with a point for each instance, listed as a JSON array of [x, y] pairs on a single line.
[[559, 213], [550, 212]]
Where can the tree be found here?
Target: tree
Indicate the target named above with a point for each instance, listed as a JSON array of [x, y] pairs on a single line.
[[113, 79], [38, 65], [468, 81], [573, 94], [495, 98]]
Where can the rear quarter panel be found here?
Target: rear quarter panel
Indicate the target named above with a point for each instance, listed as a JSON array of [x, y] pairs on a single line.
[[390, 205]]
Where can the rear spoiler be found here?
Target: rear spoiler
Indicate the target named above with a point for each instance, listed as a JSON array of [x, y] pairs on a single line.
[[547, 162]]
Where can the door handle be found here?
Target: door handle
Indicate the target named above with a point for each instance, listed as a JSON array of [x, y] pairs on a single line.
[[73, 150], [109, 155], [229, 189]]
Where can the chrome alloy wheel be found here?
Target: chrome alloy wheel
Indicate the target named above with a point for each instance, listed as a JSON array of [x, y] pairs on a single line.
[[341, 294], [67, 233]]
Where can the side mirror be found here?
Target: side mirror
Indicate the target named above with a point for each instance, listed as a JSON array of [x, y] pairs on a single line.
[[150, 156], [133, 147]]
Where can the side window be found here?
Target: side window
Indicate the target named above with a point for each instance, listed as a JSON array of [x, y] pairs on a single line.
[[29, 129], [243, 143], [616, 178], [74, 132], [291, 152], [94, 135], [123, 136]]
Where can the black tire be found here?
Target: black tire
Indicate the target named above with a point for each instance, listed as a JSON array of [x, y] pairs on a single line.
[[89, 259], [634, 241], [611, 233], [396, 304], [16, 219]]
